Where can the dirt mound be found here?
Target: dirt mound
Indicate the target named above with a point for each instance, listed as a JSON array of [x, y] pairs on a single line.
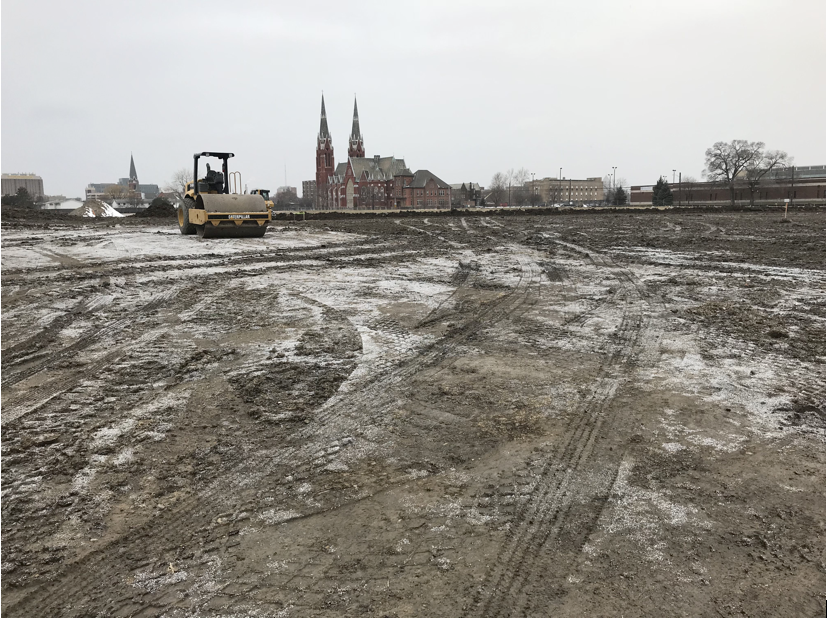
[[12, 213], [95, 208], [158, 208]]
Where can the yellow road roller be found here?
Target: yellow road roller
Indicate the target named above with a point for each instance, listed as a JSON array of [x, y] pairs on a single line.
[[265, 193], [211, 211]]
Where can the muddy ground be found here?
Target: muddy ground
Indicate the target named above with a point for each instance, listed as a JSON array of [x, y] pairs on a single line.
[[601, 414]]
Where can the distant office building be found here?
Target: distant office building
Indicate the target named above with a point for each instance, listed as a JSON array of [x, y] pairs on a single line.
[[309, 190], [31, 182], [125, 188], [561, 190], [283, 190]]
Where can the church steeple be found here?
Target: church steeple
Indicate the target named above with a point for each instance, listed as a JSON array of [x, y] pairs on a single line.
[[325, 163], [356, 146], [133, 175], [324, 133]]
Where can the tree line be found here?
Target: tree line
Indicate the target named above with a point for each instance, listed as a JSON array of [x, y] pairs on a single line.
[[21, 199]]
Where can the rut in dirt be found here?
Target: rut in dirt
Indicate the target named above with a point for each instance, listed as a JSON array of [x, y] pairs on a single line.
[[549, 532]]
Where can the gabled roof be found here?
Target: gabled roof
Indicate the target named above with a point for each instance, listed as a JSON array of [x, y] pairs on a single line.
[[422, 177], [376, 168]]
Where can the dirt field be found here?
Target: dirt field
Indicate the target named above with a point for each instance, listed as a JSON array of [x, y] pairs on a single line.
[[600, 414]]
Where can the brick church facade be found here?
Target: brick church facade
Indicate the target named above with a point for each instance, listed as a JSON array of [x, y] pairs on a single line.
[[371, 183]]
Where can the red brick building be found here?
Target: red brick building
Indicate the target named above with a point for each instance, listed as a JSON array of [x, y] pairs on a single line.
[[802, 185], [368, 183]]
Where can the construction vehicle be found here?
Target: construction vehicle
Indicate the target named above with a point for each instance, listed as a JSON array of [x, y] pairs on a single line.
[[265, 193], [211, 211]]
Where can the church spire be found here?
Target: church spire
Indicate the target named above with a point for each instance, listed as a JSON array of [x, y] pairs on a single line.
[[324, 133], [355, 133], [325, 163], [356, 147], [133, 175]]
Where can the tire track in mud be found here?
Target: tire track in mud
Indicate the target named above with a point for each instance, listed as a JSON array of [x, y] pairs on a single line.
[[527, 555], [31, 400], [88, 339], [460, 280], [179, 526], [143, 345], [273, 258], [23, 350]]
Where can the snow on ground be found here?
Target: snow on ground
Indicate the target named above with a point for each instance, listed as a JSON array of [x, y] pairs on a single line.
[[95, 244]]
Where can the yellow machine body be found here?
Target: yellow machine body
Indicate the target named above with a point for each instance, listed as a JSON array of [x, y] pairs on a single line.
[[211, 211]]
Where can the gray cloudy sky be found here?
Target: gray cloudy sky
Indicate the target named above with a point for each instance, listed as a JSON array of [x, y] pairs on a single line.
[[464, 88]]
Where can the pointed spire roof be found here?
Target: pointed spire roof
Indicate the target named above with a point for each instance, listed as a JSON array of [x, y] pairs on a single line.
[[355, 133], [133, 175], [323, 131]]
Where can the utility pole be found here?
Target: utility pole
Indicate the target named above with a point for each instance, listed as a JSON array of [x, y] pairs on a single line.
[[533, 189], [792, 184], [673, 176], [679, 189]]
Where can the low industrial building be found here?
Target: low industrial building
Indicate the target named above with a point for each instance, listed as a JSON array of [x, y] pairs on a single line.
[[803, 185]]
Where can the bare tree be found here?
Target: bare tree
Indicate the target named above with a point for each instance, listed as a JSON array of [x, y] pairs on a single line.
[[608, 195], [117, 192], [686, 189], [178, 183], [509, 181], [757, 169], [554, 192], [519, 180], [499, 187], [725, 162]]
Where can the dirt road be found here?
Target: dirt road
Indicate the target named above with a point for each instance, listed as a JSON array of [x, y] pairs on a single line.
[[482, 416]]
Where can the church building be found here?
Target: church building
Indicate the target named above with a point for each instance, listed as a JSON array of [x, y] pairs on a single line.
[[368, 183]]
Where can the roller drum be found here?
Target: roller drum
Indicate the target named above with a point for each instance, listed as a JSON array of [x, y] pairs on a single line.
[[229, 202]]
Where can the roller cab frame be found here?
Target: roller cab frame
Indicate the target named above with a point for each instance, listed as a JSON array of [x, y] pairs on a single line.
[[211, 211], [265, 193]]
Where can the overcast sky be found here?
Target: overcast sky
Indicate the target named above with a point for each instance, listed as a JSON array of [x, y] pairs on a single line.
[[463, 88]]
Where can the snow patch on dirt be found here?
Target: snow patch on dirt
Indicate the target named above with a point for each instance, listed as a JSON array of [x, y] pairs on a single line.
[[641, 514]]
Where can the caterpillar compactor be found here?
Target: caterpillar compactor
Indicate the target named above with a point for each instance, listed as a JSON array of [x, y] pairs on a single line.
[[211, 211], [265, 193]]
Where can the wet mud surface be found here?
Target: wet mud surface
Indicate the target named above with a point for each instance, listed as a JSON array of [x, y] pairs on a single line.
[[598, 414]]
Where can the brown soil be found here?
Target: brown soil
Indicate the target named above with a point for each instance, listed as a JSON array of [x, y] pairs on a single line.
[[600, 414], [158, 208]]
